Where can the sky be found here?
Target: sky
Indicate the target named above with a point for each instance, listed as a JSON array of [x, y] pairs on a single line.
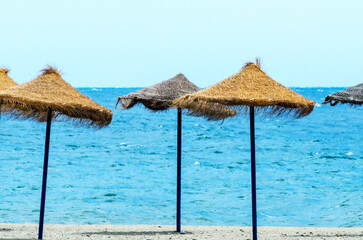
[[310, 43]]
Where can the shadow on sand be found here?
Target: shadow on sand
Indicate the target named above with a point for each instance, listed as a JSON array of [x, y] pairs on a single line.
[[18, 238], [137, 233], [8, 230], [323, 236]]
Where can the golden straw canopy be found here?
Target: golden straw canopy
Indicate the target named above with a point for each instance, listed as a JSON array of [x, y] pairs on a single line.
[[49, 90], [5, 81], [250, 87]]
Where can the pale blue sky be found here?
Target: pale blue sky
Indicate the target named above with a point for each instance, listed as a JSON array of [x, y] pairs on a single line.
[[139, 43]]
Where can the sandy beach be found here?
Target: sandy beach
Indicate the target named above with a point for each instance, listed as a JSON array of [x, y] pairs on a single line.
[[55, 231]]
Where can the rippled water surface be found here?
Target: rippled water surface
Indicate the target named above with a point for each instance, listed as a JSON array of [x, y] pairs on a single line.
[[309, 171]]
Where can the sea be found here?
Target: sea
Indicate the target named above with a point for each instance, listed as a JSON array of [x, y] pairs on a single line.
[[309, 170]]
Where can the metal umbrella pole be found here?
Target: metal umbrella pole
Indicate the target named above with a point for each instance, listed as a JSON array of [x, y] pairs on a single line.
[[253, 173], [178, 188], [45, 172]]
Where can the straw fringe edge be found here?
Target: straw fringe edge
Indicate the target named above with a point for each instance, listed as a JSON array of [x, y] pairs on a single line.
[[196, 106], [38, 112], [153, 105], [334, 101]]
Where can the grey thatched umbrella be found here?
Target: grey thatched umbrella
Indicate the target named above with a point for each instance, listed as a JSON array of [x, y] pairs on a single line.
[[250, 89], [352, 96], [160, 97], [50, 97]]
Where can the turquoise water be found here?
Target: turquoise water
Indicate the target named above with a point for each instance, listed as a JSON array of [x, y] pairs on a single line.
[[309, 171]]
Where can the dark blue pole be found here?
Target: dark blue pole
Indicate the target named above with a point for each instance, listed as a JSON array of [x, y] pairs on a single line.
[[178, 188], [45, 172], [253, 173]]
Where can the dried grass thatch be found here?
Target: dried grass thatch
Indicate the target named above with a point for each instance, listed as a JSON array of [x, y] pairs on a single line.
[[5, 81], [49, 90], [352, 96], [250, 87], [160, 96]]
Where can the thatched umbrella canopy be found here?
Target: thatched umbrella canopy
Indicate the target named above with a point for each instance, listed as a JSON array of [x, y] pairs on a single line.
[[33, 100], [249, 89], [5, 81], [352, 96], [49, 97], [160, 97]]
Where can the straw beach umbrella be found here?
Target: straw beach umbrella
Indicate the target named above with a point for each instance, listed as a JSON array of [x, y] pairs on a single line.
[[352, 96], [5, 81], [48, 97], [250, 89], [160, 97]]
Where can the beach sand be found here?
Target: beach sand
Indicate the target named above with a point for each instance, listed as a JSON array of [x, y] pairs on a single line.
[[55, 231]]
